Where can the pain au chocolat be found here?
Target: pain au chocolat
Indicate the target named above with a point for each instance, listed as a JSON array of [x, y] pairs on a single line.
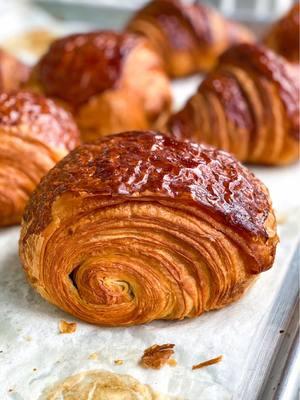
[[145, 227], [34, 134], [188, 37], [12, 72], [248, 105], [110, 81], [284, 35]]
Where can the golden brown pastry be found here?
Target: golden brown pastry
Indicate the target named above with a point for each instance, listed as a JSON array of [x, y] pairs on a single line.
[[12, 72], [34, 135], [145, 227], [249, 105], [188, 37], [284, 35], [110, 81], [101, 385]]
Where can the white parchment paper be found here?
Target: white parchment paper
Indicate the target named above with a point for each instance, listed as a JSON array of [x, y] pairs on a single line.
[[33, 355]]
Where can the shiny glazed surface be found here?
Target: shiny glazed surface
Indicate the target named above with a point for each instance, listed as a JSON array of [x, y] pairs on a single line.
[[189, 37], [145, 227], [34, 134], [248, 105]]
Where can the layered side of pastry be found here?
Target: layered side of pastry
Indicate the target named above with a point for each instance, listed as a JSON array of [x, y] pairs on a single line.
[[34, 134], [110, 81], [12, 72], [188, 37], [284, 35], [145, 227], [248, 105]]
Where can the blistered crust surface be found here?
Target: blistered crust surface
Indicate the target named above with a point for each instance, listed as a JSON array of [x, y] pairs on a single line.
[[82, 65], [136, 165], [29, 115]]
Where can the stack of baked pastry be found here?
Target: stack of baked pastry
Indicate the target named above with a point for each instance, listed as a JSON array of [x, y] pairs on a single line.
[[146, 225]]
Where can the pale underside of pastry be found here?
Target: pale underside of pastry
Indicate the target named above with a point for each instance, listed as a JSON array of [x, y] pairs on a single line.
[[101, 385]]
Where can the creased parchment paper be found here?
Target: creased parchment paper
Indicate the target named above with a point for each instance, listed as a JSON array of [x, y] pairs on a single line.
[[34, 355]]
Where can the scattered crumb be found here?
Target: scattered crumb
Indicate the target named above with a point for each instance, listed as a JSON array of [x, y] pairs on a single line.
[[157, 356], [34, 369], [208, 362], [28, 338], [172, 362], [119, 362], [93, 356], [1, 351], [10, 390], [67, 327], [281, 331]]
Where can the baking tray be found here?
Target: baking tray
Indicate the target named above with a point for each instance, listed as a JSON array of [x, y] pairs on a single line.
[[257, 335]]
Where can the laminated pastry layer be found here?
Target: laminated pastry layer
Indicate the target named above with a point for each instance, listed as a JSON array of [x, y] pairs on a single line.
[[248, 105], [145, 227], [34, 135]]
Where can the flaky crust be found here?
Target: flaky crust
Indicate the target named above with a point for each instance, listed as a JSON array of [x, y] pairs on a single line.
[[249, 105], [12, 72], [284, 35], [34, 134], [122, 84], [189, 38], [145, 227]]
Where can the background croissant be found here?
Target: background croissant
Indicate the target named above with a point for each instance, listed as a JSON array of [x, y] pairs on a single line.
[[284, 35], [188, 37], [110, 81], [34, 135], [144, 227], [12, 72], [249, 105]]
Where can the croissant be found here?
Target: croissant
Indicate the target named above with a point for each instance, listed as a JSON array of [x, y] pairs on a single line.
[[249, 105], [284, 35], [146, 227], [189, 38], [12, 72], [110, 81], [34, 135]]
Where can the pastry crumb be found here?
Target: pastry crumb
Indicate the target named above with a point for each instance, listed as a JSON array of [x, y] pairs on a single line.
[[67, 327], [208, 362], [157, 356], [119, 362], [34, 369], [28, 338], [172, 362], [93, 356]]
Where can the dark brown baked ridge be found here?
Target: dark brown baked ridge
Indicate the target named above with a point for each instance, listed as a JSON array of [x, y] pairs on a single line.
[[284, 35], [46, 121], [135, 165], [81, 65], [188, 37], [264, 62], [249, 105]]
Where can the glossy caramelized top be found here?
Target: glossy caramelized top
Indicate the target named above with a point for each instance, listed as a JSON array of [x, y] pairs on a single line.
[[172, 13], [284, 35], [79, 66], [263, 62], [30, 115], [149, 165]]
